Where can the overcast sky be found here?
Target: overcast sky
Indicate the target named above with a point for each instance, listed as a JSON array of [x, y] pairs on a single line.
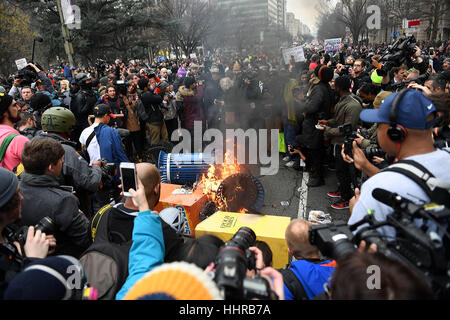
[[305, 11]]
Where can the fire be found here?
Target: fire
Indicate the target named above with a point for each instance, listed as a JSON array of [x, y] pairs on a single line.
[[211, 181]]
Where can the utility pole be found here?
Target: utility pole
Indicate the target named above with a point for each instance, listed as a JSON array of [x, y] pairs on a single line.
[[65, 32]]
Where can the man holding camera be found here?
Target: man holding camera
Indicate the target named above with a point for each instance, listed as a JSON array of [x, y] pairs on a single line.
[[406, 132], [12, 259], [346, 111], [43, 196]]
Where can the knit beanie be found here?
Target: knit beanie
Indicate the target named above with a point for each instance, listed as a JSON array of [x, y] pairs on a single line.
[[52, 278], [39, 101], [8, 186], [175, 281], [324, 73]]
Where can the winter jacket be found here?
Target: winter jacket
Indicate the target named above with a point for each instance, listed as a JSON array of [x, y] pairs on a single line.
[[192, 106], [147, 250], [43, 197], [110, 144], [312, 276], [347, 110], [76, 171], [82, 105], [315, 107], [13, 155], [151, 112], [372, 141]]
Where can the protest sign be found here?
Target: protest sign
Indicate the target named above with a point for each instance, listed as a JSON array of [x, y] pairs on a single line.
[[297, 52], [333, 44]]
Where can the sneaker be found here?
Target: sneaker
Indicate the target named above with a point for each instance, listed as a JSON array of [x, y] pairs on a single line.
[[341, 204], [315, 182], [287, 158], [290, 164], [334, 194]]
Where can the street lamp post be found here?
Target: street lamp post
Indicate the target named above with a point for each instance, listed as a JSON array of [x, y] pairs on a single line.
[[38, 39]]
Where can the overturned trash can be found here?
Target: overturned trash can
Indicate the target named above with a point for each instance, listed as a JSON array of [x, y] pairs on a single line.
[[183, 168]]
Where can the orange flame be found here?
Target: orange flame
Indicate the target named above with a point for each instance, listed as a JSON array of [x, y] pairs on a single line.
[[211, 181]]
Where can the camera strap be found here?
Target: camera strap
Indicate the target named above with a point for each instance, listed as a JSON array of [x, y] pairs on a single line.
[[436, 189]]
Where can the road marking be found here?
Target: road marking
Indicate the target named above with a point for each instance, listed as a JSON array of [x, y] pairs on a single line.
[[303, 197]]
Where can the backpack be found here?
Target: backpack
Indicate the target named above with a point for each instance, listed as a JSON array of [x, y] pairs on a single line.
[[437, 190], [293, 284], [105, 262], [5, 144]]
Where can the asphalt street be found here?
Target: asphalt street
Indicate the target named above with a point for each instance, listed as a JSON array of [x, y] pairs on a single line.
[[286, 194]]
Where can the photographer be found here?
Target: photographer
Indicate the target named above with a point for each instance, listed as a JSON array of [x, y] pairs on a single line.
[[370, 141], [12, 260], [397, 281], [304, 278], [56, 124], [43, 196], [405, 132], [346, 112]]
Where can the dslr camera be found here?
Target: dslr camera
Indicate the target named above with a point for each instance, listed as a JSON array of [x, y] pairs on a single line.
[[28, 75], [347, 131], [400, 51], [13, 233], [121, 87], [232, 262]]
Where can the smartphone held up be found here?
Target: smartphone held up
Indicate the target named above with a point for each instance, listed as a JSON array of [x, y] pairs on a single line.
[[128, 177]]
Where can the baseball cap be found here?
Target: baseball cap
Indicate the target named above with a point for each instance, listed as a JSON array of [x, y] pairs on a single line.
[[376, 78], [101, 110], [412, 112]]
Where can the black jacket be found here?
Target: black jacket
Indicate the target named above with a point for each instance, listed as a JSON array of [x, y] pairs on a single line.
[[82, 105], [315, 107], [151, 103], [43, 197], [76, 171]]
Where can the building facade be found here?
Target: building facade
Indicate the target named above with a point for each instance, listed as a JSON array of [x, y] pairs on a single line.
[[255, 11]]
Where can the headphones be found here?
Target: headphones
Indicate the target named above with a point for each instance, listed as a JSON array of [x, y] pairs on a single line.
[[396, 132]]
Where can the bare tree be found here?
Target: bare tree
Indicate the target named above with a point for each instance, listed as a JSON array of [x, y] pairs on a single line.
[[187, 22]]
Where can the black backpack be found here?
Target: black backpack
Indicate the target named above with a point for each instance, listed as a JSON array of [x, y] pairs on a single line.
[[437, 190], [105, 262]]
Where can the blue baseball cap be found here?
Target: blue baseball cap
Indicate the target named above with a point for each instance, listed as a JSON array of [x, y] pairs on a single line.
[[412, 112]]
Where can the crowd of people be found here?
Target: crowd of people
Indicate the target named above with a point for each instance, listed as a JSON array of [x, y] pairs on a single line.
[[64, 132]]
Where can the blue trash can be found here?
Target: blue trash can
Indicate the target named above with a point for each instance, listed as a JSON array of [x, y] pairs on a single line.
[[183, 168]]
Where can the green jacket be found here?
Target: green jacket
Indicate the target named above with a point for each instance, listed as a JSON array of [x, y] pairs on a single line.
[[347, 110], [372, 141]]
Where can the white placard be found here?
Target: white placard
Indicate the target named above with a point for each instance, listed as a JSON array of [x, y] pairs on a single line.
[[21, 63], [193, 56], [297, 52]]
